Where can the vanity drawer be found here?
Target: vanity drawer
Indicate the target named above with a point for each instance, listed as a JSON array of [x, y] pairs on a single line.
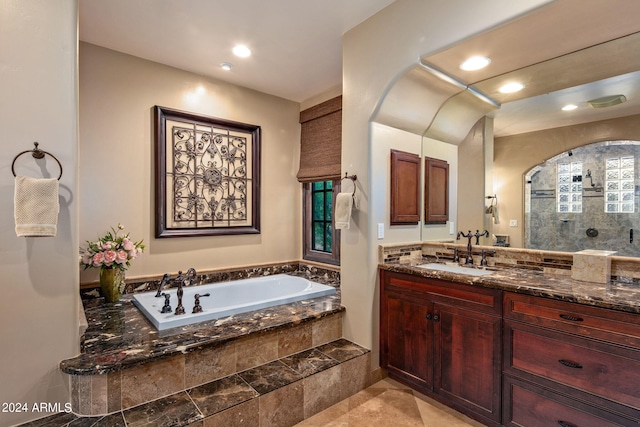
[[593, 322], [527, 405], [608, 371]]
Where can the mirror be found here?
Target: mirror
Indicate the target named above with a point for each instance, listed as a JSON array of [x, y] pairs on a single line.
[[529, 128]]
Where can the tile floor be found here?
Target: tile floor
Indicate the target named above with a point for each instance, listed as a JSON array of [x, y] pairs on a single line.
[[389, 403]]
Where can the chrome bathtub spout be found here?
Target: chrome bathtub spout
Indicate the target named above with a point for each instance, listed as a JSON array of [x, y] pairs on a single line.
[[163, 282]]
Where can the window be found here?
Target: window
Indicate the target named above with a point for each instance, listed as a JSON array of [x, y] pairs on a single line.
[[321, 240], [619, 185], [569, 187]]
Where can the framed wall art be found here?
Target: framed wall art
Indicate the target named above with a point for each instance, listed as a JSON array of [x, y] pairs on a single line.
[[207, 175]]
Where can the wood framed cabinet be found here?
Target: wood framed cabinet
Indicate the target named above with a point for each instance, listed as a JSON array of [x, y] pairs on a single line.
[[443, 339], [405, 188], [569, 364]]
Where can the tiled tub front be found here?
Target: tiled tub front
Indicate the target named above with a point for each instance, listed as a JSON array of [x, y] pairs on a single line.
[[123, 389]]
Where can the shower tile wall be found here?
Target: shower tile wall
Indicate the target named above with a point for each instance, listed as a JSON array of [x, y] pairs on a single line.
[[548, 229]]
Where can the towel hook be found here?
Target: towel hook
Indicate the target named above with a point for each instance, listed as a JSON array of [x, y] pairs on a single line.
[[36, 153], [352, 178]]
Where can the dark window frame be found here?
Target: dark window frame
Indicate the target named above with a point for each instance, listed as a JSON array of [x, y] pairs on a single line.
[[309, 253]]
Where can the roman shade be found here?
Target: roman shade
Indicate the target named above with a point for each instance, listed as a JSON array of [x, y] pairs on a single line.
[[321, 141]]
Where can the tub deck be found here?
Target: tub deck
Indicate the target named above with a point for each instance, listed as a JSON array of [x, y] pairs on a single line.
[[120, 337]]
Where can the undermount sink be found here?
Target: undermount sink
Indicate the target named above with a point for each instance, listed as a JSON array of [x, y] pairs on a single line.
[[458, 269]]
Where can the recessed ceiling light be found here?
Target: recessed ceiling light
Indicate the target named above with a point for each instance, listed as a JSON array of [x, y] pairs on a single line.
[[227, 66], [475, 63], [511, 87], [242, 51], [569, 107]]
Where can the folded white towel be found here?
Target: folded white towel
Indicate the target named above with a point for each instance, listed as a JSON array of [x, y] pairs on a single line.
[[36, 206], [342, 215]]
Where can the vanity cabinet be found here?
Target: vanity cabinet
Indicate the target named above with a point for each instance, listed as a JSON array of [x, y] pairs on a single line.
[[443, 339], [569, 364]]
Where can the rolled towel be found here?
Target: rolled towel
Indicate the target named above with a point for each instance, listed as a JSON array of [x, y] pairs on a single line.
[[36, 206], [342, 215]]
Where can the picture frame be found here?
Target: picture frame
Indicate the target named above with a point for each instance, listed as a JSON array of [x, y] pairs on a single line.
[[207, 175]]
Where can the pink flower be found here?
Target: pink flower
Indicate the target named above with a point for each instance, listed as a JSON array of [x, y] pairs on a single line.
[[127, 244], [98, 257], [121, 256], [106, 246], [86, 258], [109, 257]]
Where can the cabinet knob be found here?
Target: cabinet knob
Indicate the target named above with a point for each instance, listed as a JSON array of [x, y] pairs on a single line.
[[436, 318], [428, 316], [570, 364]]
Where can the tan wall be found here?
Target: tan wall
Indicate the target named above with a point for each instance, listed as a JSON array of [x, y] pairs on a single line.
[[117, 93], [375, 53], [515, 155], [471, 174], [38, 276]]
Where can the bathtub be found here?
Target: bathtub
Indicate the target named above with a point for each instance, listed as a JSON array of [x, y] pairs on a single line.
[[228, 298]]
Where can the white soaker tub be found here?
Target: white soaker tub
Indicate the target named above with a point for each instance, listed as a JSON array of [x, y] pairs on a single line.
[[228, 298]]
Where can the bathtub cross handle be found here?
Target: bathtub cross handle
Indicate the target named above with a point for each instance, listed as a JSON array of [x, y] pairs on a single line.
[[197, 308]]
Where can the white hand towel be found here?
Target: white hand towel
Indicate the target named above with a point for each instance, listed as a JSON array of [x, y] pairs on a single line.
[[494, 214], [342, 215], [36, 206]]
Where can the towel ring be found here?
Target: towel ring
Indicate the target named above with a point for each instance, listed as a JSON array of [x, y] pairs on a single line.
[[352, 178], [37, 154]]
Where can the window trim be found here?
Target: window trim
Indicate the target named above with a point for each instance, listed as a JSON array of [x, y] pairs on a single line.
[[308, 253]]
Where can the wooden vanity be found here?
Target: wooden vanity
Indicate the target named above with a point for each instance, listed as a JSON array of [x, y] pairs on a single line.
[[505, 355]]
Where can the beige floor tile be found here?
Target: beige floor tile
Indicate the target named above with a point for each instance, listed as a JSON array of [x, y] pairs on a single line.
[[389, 403]]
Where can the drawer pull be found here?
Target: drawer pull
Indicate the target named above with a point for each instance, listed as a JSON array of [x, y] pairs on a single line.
[[571, 318], [570, 364], [566, 424]]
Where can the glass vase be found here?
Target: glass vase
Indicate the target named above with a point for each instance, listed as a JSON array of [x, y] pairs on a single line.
[[111, 283]]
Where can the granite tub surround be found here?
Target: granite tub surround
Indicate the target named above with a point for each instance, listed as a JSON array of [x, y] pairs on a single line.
[[125, 362], [533, 279]]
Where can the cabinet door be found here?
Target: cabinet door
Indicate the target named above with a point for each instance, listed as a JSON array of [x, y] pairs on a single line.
[[467, 359], [407, 339]]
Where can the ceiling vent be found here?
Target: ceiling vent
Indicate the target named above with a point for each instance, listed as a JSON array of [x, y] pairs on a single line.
[[607, 101]]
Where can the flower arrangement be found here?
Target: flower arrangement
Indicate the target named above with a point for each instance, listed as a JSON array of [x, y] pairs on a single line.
[[111, 251]]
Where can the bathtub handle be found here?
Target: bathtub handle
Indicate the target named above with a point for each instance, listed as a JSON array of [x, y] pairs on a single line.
[[197, 308]]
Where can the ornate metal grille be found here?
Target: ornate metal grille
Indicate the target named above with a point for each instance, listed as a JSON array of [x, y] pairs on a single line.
[[210, 177], [207, 179]]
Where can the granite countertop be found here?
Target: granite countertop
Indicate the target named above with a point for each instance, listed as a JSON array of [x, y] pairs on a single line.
[[614, 295], [119, 336]]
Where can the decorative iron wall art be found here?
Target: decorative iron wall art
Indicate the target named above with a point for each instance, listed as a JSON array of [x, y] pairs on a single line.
[[207, 175]]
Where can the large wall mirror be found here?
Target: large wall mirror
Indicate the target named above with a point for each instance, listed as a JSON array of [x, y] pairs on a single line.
[[532, 137]]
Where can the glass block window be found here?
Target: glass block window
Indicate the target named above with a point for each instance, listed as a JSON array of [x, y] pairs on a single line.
[[619, 185], [569, 187]]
